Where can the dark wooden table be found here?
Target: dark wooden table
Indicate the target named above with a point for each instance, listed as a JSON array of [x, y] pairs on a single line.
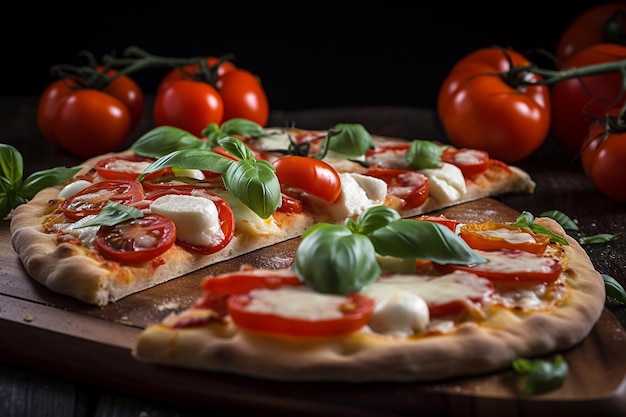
[[26, 390]]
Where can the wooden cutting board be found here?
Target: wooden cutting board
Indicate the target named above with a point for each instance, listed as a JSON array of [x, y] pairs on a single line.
[[57, 334]]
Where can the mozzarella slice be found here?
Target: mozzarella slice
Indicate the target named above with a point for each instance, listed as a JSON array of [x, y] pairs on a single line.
[[397, 312], [87, 234], [196, 218], [446, 183], [296, 303], [73, 188]]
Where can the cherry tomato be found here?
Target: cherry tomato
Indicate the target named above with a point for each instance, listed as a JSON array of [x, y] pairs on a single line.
[[355, 313], [127, 168], [126, 90], [513, 266], [92, 199], [604, 159], [311, 175], [411, 187], [49, 102], [246, 280], [469, 161], [576, 102], [188, 105], [224, 212], [603, 23], [495, 236], [137, 240], [243, 97], [479, 110], [290, 205], [193, 72]]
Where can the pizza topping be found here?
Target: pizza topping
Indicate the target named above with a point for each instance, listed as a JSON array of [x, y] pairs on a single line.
[[411, 187], [138, 240], [469, 161], [73, 188], [397, 312], [513, 266], [495, 236], [93, 198], [446, 183], [126, 168], [311, 175], [300, 312]]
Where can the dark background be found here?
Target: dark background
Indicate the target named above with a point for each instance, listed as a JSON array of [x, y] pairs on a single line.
[[307, 55]]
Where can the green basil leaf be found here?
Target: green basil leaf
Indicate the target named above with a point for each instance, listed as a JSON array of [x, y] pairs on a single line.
[[39, 180], [236, 148], [113, 213], [333, 260], [374, 218], [203, 159], [424, 154], [236, 126], [8, 201], [543, 376], [563, 219], [11, 163], [614, 289], [255, 184], [163, 140], [407, 238], [599, 238], [526, 221], [352, 139]]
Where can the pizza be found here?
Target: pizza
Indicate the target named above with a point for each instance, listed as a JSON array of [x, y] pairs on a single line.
[[420, 317], [174, 203]]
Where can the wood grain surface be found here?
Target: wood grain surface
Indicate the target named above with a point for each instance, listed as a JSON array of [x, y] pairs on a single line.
[[57, 334]]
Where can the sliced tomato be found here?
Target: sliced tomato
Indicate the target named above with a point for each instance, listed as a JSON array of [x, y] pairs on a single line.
[[290, 205], [127, 168], [469, 161], [311, 175], [353, 312], [224, 212], [469, 288], [92, 199], [514, 266], [138, 240], [248, 279], [410, 186], [441, 219], [495, 236]]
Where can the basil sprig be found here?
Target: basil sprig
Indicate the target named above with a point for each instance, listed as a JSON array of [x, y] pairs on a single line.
[[542, 375], [251, 180], [526, 221], [424, 154], [340, 259], [113, 213], [163, 140], [14, 190], [350, 139]]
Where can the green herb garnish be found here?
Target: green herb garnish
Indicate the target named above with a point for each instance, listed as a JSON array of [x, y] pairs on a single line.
[[542, 375]]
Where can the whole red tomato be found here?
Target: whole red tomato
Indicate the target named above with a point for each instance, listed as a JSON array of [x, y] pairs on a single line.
[[188, 105], [479, 109], [91, 122], [577, 101], [110, 114], [194, 72], [603, 23], [243, 96], [604, 157]]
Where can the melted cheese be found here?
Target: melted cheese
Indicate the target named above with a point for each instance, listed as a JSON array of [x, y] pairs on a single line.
[[508, 235], [73, 188], [446, 183], [397, 312], [515, 262], [196, 218], [296, 303]]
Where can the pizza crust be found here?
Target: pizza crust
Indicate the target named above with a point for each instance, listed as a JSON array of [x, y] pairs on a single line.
[[364, 356]]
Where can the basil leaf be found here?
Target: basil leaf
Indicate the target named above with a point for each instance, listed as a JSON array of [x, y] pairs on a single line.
[[333, 260], [407, 238], [352, 139], [374, 218], [203, 159], [543, 376], [113, 213], [39, 180], [424, 154], [237, 126], [11, 164], [561, 218], [526, 221], [614, 289], [255, 184], [236, 148], [163, 140], [599, 238]]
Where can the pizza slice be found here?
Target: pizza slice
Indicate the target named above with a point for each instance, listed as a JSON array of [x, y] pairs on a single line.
[[429, 299], [174, 203]]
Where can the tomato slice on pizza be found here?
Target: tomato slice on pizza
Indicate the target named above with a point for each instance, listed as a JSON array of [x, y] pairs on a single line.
[[496, 236], [469, 161], [137, 240], [93, 198], [127, 168], [411, 187]]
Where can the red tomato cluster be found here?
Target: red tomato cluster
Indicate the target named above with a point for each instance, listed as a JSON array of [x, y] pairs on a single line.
[[185, 99], [486, 102], [90, 119]]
